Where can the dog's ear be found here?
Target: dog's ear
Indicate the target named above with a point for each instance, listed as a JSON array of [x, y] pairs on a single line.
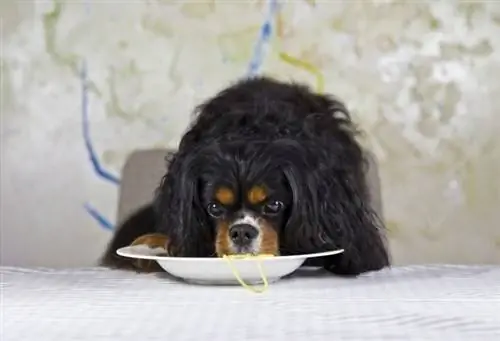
[[331, 210], [178, 204], [331, 206], [304, 231], [349, 221]]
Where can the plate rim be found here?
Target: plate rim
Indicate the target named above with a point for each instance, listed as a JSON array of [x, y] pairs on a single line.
[[122, 252]]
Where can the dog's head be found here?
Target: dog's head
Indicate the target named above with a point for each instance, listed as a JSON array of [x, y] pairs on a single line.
[[244, 197], [271, 168], [234, 200]]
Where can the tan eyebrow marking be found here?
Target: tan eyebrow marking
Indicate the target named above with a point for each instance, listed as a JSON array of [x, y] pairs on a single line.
[[256, 195], [225, 196]]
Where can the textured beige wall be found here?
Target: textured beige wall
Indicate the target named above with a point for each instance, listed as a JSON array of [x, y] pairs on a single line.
[[421, 77]]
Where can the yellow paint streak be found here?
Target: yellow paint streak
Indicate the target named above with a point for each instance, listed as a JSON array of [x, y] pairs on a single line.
[[297, 62], [305, 65]]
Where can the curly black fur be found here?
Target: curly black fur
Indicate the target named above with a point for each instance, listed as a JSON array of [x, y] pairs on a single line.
[[261, 126]]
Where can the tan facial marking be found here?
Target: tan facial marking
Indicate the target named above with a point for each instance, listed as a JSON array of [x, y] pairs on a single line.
[[269, 243], [222, 239], [225, 196], [256, 195]]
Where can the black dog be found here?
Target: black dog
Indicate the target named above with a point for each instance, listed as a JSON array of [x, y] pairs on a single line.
[[267, 167]]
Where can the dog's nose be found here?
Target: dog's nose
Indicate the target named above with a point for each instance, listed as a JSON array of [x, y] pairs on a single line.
[[243, 234]]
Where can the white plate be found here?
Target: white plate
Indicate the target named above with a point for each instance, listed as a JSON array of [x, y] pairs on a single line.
[[220, 270]]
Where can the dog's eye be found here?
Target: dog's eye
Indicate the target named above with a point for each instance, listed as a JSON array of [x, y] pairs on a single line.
[[273, 207], [215, 210]]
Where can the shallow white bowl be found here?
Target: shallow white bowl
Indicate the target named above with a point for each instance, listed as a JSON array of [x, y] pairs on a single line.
[[220, 270]]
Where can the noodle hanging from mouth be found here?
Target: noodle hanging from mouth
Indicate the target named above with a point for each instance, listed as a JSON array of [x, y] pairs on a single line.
[[236, 274]]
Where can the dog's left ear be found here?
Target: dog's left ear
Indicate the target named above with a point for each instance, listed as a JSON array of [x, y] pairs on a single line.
[[331, 210], [325, 169], [181, 216]]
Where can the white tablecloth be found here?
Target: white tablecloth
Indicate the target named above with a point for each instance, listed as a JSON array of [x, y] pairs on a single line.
[[410, 303]]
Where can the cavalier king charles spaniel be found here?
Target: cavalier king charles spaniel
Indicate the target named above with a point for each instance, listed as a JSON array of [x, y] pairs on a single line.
[[267, 167]]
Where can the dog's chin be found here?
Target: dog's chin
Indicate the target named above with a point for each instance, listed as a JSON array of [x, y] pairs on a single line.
[[246, 251], [243, 250]]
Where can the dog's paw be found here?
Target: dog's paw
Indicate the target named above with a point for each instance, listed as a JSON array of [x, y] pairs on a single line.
[[153, 241]]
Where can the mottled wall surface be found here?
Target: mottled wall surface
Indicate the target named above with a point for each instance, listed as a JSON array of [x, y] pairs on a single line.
[[85, 83]]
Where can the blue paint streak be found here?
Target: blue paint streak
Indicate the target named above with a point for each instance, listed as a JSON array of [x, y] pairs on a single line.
[[96, 164], [100, 171], [98, 217], [266, 31]]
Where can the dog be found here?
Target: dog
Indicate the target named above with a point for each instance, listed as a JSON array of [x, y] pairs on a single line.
[[266, 167]]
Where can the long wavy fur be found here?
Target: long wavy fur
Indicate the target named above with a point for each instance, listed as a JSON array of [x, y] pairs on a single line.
[[258, 125]]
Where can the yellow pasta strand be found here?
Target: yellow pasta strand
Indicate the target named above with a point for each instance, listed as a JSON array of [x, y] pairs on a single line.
[[236, 274]]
